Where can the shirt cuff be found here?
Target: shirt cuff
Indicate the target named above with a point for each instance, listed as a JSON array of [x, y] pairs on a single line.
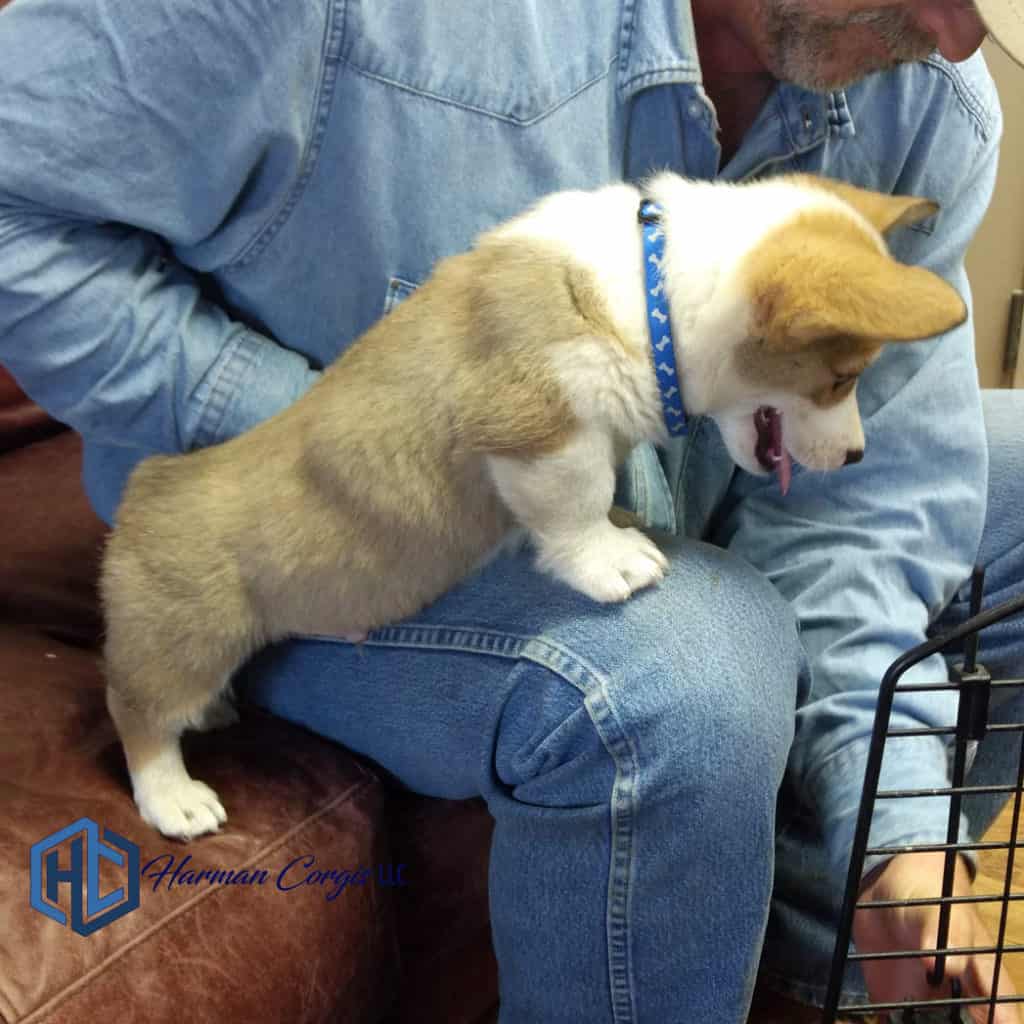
[[253, 379]]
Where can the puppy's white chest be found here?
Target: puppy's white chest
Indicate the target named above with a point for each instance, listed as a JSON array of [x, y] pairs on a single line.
[[610, 389]]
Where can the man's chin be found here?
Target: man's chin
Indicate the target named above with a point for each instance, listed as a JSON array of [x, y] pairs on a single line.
[[823, 81], [841, 70]]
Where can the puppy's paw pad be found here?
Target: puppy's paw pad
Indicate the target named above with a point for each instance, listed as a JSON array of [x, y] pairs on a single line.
[[182, 809]]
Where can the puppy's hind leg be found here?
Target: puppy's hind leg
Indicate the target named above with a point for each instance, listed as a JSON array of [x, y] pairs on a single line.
[[564, 499], [168, 798], [221, 713], [174, 639], [162, 678]]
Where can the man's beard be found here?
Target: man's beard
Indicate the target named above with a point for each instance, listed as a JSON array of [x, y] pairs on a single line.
[[804, 46]]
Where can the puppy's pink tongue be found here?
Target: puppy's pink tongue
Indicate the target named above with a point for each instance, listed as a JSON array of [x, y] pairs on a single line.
[[784, 469], [771, 452]]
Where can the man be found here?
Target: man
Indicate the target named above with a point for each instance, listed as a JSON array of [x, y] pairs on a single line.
[[202, 204]]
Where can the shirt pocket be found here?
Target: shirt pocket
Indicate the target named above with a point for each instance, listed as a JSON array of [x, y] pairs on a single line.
[[513, 61]]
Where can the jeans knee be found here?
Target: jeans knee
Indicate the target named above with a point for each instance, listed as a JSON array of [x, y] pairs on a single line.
[[716, 673], [691, 684], [722, 618]]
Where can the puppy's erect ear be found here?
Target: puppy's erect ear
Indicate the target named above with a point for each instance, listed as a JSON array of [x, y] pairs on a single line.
[[882, 211], [822, 276]]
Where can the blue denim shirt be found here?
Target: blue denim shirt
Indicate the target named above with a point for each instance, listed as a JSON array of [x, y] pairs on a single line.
[[202, 203]]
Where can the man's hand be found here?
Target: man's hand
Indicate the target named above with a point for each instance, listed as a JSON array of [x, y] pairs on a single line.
[[918, 876]]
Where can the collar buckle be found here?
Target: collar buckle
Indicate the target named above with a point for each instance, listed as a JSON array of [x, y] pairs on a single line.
[[649, 212]]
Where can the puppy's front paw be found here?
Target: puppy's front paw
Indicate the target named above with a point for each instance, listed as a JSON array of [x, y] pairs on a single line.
[[181, 809], [609, 564]]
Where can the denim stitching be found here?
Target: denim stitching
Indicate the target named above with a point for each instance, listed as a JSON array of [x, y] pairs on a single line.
[[593, 685], [622, 753], [399, 289], [333, 37], [978, 112], [523, 122], [626, 32], [239, 358], [617, 743], [684, 73], [679, 495]]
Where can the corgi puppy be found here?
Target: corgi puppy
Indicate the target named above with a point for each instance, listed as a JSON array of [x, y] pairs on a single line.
[[500, 396]]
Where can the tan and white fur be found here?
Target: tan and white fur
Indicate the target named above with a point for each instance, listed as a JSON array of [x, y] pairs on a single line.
[[499, 397]]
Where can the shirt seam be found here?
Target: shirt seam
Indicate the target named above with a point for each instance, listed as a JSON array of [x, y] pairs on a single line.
[[521, 122], [334, 32], [683, 73], [239, 358], [969, 99]]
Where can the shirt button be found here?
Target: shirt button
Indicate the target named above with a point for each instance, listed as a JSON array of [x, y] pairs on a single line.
[[695, 110]]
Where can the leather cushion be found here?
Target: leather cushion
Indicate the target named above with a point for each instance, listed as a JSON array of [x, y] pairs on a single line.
[[21, 420], [215, 953], [51, 542], [220, 954]]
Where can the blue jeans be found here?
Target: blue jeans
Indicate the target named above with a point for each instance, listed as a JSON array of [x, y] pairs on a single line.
[[632, 759]]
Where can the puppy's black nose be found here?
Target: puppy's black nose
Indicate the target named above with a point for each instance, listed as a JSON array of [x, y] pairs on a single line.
[[854, 456]]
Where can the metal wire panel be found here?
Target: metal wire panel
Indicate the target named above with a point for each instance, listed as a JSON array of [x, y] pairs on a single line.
[[974, 686]]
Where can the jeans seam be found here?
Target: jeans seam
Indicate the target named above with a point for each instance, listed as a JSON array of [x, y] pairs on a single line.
[[810, 994], [620, 749], [623, 754], [592, 684]]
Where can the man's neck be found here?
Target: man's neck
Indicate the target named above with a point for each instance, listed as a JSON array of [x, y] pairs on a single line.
[[725, 37], [734, 76]]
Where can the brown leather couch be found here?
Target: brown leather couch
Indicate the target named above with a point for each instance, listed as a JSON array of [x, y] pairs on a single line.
[[379, 953]]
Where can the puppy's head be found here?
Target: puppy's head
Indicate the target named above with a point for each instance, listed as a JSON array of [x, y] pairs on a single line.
[[825, 297]]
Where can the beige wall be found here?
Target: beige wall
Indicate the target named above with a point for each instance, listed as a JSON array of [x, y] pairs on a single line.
[[995, 262]]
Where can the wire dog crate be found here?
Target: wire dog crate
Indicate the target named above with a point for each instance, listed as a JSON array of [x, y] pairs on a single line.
[[974, 686]]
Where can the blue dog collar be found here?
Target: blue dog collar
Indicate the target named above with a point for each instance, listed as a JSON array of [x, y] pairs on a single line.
[[659, 325]]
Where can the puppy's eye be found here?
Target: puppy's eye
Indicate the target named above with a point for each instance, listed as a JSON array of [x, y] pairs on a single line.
[[842, 382]]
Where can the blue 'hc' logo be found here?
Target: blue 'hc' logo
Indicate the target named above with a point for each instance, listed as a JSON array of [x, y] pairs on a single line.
[[47, 874]]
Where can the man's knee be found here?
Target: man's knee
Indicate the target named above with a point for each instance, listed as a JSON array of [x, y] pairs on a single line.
[[694, 682], [717, 627]]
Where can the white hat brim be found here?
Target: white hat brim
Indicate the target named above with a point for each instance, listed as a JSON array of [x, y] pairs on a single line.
[[1005, 21]]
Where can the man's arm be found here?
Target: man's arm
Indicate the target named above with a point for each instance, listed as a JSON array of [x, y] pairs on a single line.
[[871, 554], [132, 132]]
